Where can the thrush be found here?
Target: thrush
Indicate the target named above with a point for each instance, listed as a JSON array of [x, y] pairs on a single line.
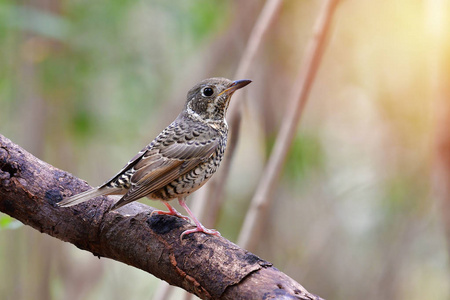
[[180, 159]]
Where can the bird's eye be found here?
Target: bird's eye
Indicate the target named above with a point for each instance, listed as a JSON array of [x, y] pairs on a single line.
[[207, 92]]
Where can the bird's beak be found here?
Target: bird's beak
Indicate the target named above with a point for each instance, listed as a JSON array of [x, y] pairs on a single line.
[[238, 84]]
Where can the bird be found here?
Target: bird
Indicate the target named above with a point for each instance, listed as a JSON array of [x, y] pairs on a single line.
[[181, 159]]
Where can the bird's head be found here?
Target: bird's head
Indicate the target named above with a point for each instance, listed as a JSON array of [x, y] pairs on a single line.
[[209, 99]]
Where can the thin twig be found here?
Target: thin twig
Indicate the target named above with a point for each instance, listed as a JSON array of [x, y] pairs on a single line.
[[214, 189], [254, 221], [439, 60]]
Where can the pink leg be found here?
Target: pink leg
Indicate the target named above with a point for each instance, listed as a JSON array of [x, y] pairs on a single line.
[[172, 212], [200, 227]]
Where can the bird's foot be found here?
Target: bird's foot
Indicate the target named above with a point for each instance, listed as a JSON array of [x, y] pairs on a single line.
[[200, 228], [172, 212]]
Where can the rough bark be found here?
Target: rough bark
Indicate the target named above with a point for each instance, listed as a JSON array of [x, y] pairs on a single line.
[[210, 267]]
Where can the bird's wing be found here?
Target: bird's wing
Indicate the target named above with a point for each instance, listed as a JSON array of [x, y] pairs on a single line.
[[158, 167]]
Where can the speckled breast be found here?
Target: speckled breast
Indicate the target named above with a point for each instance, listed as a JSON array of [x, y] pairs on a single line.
[[194, 179]]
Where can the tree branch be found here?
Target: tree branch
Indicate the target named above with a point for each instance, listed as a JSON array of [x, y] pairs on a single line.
[[208, 266]]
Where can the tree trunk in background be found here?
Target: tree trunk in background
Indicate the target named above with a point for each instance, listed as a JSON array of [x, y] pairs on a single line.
[[26, 243], [34, 254]]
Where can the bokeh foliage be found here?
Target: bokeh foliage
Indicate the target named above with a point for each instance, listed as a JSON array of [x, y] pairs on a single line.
[[85, 84]]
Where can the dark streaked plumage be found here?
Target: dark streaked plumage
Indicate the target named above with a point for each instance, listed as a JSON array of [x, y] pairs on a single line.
[[181, 158]]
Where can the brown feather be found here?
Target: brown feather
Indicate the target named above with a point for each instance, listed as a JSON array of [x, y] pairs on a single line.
[[153, 172]]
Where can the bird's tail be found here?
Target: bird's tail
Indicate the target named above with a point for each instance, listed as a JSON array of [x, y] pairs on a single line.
[[85, 196]]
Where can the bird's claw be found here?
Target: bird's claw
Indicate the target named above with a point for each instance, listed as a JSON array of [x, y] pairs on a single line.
[[200, 229]]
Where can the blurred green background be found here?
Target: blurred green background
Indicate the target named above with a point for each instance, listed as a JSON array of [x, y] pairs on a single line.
[[84, 85]]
